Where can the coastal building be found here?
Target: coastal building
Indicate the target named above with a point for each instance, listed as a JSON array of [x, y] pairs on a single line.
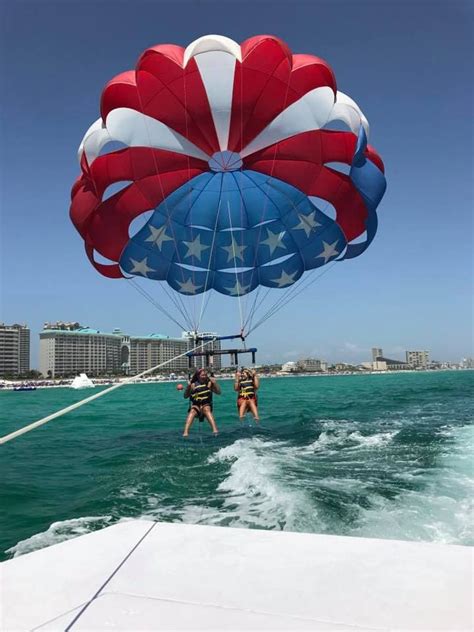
[[344, 366], [311, 365], [376, 365], [59, 324], [377, 352], [467, 363], [149, 351], [418, 359], [67, 349], [386, 364], [381, 363], [65, 352], [289, 367], [14, 350], [214, 345]]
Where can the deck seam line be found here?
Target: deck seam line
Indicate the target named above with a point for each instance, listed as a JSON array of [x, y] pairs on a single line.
[[250, 610], [62, 614], [94, 597]]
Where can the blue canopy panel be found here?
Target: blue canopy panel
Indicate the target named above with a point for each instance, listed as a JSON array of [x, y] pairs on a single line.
[[236, 283], [369, 180], [232, 231]]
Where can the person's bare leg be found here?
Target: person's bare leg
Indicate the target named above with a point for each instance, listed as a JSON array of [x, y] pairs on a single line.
[[254, 410], [242, 410], [189, 420], [210, 418]]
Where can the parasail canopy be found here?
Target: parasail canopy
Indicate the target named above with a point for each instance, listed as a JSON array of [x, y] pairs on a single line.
[[236, 158]]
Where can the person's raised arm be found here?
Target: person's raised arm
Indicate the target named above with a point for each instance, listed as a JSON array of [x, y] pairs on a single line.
[[215, 388], [256, 380], [237, 382], [188, 390]]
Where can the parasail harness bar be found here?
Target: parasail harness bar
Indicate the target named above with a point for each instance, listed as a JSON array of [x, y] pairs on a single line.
[[210, 353]]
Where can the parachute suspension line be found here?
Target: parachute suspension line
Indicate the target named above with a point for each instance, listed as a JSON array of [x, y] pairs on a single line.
[[255, 306], [267, 198], [287, 296], [165, 198], [153, 302], [178, 302], [204, 308], [193, 276], [237, 284], [246, 297], [180, 308], [205, 300], [183, 310], [293, 291], [82, 402], [249, 317], [290, 295]]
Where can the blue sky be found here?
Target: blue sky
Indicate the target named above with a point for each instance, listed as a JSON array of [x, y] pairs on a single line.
[[406, 64]]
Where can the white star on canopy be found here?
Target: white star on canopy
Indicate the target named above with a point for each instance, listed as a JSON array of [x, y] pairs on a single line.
[[140, 267], [195, 247], [158, 236], [188, 287], [328, 252], [307, 223], [273, 241], [285, 279], [238, 289], [234, 251]]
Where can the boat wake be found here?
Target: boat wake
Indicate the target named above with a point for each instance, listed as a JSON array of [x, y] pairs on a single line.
[[388, 479], [59, 532]]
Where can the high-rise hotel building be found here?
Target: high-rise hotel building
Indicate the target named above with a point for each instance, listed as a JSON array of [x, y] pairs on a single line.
[[377, 352], [418, 359], [67, 349], [14, 350], [149, 351]]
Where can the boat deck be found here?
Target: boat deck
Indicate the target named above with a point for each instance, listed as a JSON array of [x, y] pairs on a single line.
[[143, 575]]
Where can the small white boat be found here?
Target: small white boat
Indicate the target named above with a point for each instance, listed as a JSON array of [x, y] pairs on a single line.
[[82, 381]]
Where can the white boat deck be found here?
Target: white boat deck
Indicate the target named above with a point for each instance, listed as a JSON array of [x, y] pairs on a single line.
[[142, 575]]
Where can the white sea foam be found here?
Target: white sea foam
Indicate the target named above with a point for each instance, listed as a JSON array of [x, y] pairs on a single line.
[[440, 510], [59, 532], [255, 491], [269, 483], [344, 438]]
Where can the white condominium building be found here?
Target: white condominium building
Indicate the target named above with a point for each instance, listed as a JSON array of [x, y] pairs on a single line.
[[311, 365], [67, 349], [14, 350], [418, 359], [67, 352], [149, 351]]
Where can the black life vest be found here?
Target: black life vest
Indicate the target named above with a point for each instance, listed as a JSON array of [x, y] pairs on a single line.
[[201, 395], [247, 388]]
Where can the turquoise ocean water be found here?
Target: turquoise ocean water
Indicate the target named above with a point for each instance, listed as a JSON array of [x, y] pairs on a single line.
[[387, 456]]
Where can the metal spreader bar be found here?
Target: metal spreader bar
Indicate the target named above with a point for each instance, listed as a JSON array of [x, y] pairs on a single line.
[[210, 353]]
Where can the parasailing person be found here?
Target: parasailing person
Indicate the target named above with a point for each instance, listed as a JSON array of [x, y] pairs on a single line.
[[246, 385], [200, 390]]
